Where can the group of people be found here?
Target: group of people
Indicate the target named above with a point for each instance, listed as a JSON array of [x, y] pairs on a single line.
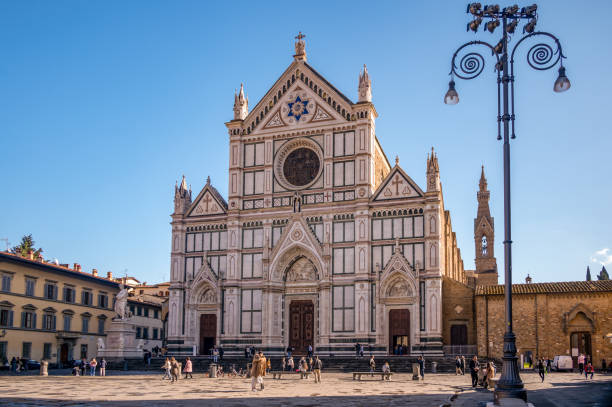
[[80, 368], [586, 366], [483, 377], [19, 365], [172, 369]]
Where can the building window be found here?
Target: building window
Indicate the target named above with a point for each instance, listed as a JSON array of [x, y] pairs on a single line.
[[344, 144], [344, 232], [146, 312], [138, 332], [83, 351], [155, 332], [101, 322], [139, 311], [397, 228], [206, 241], [344, 260], [343, 310], [30, 283], [3, 350], [69, 294], [6, 317], [102, 300], [344, 173], [253, 182], [192, 266], [50, 291], [28, 319], [26, 350], [132, 309], [250, 321], [47, 351], [67, 322], [485, 245], [86, 297], [251, 265], [253, 154], [85, 325], [277, 231], [415, 254], [373, 308], [156, 314], [6, 283], [218, 264], [252, 238], [422, 305], [48, 322], [145, 333]]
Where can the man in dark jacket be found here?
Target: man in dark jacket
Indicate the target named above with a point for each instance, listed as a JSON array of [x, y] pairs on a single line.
[[474, 368]]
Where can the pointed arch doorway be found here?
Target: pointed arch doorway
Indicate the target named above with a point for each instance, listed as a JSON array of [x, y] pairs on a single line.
[[399, 330]]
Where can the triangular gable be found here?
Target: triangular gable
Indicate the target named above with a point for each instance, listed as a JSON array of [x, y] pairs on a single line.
[[297, 231], [397, 185], [398, 266], [205, 277], [208, 202], [268, 113]]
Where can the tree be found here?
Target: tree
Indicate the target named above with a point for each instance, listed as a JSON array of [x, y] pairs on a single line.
[[27, 244], [603, 275], [588, 277]]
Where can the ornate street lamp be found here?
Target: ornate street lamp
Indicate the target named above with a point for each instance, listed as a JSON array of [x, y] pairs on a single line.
[[541, 56]]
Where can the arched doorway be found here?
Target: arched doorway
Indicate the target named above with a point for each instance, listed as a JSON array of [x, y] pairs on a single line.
[[399, 331], [301, 325], [208, 333]]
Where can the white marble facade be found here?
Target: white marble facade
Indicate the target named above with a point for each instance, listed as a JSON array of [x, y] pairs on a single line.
[[320, 237]]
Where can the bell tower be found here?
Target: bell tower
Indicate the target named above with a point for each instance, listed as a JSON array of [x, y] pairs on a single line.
[[484, 237]]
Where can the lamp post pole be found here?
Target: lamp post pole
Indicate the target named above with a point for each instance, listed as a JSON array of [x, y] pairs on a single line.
[[541, 56]]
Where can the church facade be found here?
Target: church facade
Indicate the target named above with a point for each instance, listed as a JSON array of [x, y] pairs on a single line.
[[321, 240]]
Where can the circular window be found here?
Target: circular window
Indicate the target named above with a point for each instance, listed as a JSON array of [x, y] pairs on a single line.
[[301, 167], [298, 164]]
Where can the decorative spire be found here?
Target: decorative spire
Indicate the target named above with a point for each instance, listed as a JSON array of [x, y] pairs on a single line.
[[433, 172], [588, 274], [365, 86], [183, 184], [300, 47], [182, 196], [483, 180], [483, 196], [241, 104], [208, 180], [397, 160]]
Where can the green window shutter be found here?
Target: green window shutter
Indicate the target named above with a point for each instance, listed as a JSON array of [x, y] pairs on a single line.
[[10, 318], [23, 319], [33, 320]]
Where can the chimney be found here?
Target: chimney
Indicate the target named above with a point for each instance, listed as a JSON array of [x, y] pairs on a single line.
[[31, 254], [109, 275], [528, 279], [94, 272], [40, 258]]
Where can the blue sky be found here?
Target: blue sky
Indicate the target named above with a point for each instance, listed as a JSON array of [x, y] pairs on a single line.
[[104, 105]]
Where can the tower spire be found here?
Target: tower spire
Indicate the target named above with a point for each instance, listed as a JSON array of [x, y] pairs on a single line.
[[483, 196], [433, 172], [241, 104], [365, 86], [484, 237]]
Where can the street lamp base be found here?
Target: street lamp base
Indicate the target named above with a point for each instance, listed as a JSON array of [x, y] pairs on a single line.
[[509, 385], [516, 393]]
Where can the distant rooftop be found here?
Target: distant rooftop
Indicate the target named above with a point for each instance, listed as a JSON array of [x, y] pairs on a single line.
[[548, 288]]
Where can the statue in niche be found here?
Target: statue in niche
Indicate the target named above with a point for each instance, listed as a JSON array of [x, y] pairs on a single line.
[[208, 297], [398, 289]]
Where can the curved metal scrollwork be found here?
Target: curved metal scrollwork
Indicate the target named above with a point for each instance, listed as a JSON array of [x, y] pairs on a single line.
[[471, 64], [541, 56]]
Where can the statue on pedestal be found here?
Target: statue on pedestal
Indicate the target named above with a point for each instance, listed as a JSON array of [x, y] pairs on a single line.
[[121, 302]]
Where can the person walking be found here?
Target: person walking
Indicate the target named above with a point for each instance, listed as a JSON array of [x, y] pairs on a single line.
[[283, 363], [221, 351], [174, 370], [372, 365], [83, 366], [309, 351], [357, 349], [457, 366], [291, 364], [474, 368], [589, 370], [167, 366], [303, 368], [257, 372], [490, 375], [268, 365], [580, 363], [541, 369], [386, 369], [603, 366], [289, 350], [462, 365], [310, 363], [188, 369], [421, 361], [360, 350], [92, 367], [316, 369], [103, 367]]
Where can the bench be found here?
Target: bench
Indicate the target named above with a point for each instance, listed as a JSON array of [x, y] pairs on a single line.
[[279, 373], [383, 375]]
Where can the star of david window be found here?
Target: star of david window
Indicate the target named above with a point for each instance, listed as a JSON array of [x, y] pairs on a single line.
[[297, 108], [301, 166]]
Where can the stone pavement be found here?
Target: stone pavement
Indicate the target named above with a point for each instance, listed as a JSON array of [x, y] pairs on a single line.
[[337, 389]]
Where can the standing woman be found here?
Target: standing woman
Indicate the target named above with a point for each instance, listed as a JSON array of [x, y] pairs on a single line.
[[290, 364], [174, 370], [283, 364], [188, 368], [92, 367], [166, 366], [103, 367]]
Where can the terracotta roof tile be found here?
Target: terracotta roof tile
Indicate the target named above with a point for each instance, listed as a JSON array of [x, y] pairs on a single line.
[[548, 288]]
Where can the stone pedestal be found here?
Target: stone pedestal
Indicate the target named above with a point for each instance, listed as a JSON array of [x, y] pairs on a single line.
[[121, 341], [44, 366]]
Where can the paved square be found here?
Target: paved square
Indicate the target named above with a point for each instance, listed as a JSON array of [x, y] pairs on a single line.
[[337, 389]]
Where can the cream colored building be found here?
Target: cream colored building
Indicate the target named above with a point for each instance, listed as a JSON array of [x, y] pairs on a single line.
[[321, 241], [52, 312], [147, 318]]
